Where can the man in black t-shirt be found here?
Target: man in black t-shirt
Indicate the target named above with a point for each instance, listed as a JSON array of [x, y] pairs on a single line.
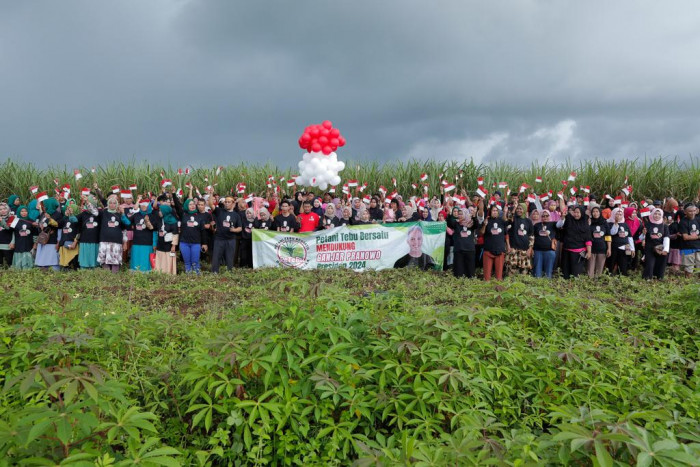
[[285, 221], [228, 227], [689, 229]]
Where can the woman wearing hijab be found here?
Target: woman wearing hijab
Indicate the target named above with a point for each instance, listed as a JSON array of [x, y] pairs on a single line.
[[636, 228], [33, 210], [408, 214], [545, 246], [657, 244], [6, 236], [192, 236], [88, 222], [495, 243], [622, 246], [376, 214], [464, 229], [112, 223], [144, 236], [248, 219], [14, 203], [317, 207], [168, 238], [601, 243], [576, 239], [347, 217], [47, 253], [264, 223], [70, 235], [521, 239], [24, 240], [329, 219], [389, 214]]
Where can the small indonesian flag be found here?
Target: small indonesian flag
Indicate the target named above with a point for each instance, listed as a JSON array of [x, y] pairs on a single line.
[[531, 197], [618, 199], [449, 187], [524, 187], [444, 183], [363, 187], [219, 169], [624, 205], [426, 188], [241, 188], [424, 177], [77, 174], [116, 189], [644, 212], [270, 177], [586, 201], [41, 196], [627, 190], [461, 173], [13, 221], [366, 199], [544, 197], [34, 189], [538, 179], [145, 201], [393, 195], [393, 180], [480, 181], [352, 183], [439, 176], [85, 191], [481, 191], [179, 171], [346, 189], [188, 185], [462, 200], [66, 188], [268, 184], [282, 178], [249, 198], [586, 189], [502, 185], [125, 194], [382, 190], [572, 176], [608, 197], [55, 180], [187, 171], [208, 188], [165, 182], [290, 183], [179, 192], [331, 189], [560, 195], [644, 203], [508, 192], [573, 190], [564, 182], [414, 185], [133, 187]]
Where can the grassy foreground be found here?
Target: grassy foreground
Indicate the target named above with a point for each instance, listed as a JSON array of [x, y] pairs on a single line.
[[332, 367]]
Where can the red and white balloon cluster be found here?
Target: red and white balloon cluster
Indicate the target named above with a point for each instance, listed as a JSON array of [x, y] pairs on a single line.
[[320, 166]]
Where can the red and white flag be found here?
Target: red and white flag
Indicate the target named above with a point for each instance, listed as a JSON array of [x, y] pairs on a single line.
[[538, 179], [424, 177], [531, 197], [41, 196], [179, 171], [249, 198], [219, 170], [66, 189], [331, 189], [133, 187], [77, 174], [116, 189], [352, 183], [524, 187], [393, 180], [560, 195], [481, 191], [461, 200], [644, 212], [618, 200], [363, 187], [366, 199], [393, 195], [572, 176], [502, 185], [382, 190], [586, 189], [627, 190], [290, 183], [125, 194], [586, 201], [414, 185], [480, 181], [346, 189], [544, 197], [449, 187], [34, 189], [85, 191], [573, 190], [187, 170], [165, 182]]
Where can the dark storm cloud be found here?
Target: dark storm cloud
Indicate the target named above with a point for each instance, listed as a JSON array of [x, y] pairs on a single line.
[[218, 82]]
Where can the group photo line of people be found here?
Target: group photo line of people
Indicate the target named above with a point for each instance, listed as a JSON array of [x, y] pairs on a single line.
[[492, 234]]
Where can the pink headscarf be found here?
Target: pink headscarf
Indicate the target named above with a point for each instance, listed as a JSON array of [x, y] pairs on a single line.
[[651, 216], [632, 223]]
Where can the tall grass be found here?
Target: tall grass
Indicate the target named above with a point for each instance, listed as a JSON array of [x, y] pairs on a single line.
[[650, 178]]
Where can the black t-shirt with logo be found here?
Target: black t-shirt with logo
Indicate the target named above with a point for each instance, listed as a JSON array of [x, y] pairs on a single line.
[[111, 227], [622, 236], [690, 227], [655, 235], [464, 238], [89, 227], [226, 220], [495, 236], [248, 226], [263, 225], [24, 236], [520, 231], [192, 228], [286, 223], [598, 233], [69, 230], [142, 234], [545, 232]]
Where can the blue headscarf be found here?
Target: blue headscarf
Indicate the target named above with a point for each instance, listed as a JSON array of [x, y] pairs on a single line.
[[32, 210], [168, 217]]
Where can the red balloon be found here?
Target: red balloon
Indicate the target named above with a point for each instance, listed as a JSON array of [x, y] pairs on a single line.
[[315, 147], [314, 132], [334, 148], [323, 140], [335, 132], [326, 150], [327, 124], [334, 142], [306, 137], [341, 142], [324, 132]]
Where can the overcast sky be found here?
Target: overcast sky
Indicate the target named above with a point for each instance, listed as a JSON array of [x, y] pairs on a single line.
[[216, 82]]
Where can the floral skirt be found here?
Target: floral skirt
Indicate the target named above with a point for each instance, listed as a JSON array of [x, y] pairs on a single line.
[[518, 259], [110, 253]]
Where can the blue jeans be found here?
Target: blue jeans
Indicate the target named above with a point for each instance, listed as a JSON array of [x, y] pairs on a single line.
[[190, 254], [544, 260]]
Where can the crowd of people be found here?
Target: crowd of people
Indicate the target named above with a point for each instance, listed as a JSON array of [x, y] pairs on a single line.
[[522, 234]]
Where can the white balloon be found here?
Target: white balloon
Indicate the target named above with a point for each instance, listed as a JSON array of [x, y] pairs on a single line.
[[317, 169]]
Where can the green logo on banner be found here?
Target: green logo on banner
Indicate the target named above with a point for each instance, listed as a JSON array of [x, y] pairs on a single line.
[[292, 252]]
